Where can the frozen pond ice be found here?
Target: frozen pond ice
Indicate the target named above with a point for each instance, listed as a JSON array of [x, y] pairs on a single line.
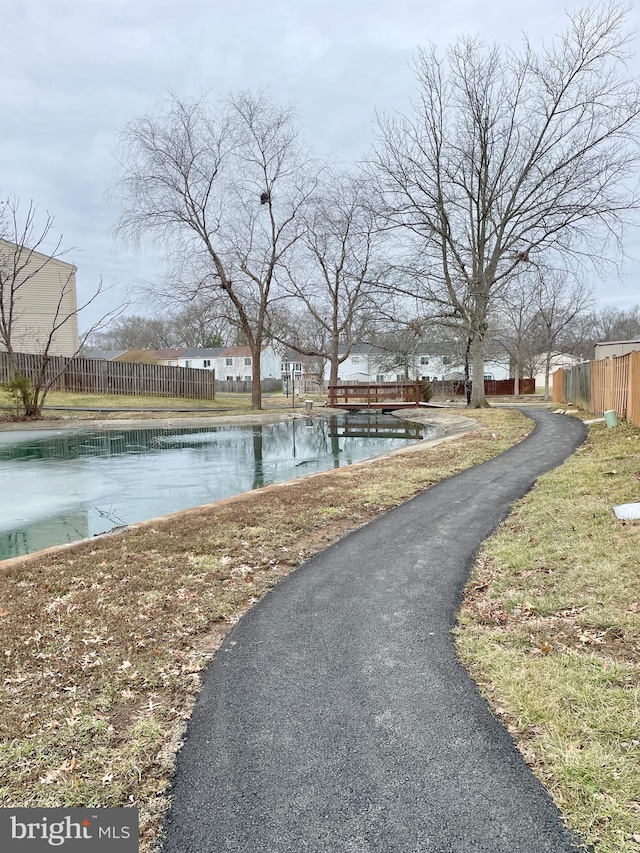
[[67, 485]]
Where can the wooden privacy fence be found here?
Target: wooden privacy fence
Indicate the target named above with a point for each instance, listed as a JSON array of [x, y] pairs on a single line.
[[234, 387], [492, 387], [97, 376], [609, 384], [574, 385]]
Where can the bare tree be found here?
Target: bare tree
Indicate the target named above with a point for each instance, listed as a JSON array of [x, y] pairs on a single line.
[[28, 255], [225, 184], [333, 272], [201, 323], [133, 332], [517, 319], [609, 323], [560, 302], [511, 159], [196, 324]]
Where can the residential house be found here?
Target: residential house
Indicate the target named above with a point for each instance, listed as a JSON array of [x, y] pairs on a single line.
[[308, 368], [204, 358], [232, 364], [235, 364], [105, 354], [607, 349], [45, 296], [558, 360], [368, 363], [169, 356]]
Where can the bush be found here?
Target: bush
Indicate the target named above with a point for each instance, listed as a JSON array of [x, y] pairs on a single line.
[[426, 390]]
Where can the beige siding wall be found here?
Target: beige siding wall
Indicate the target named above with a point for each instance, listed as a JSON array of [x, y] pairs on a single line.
[[37, 303], [616, 348]]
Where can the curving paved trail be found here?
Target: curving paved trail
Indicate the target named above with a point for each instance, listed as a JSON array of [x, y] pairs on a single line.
[[335, 718]]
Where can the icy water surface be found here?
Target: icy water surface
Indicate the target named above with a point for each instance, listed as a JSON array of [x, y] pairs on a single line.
[[66, 485]]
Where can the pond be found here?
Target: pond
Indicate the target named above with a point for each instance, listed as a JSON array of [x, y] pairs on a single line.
[[66, 485]]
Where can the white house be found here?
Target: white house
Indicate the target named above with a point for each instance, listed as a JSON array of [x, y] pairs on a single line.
[[558, 360], [44, 296], [367, 363], [204, 358]]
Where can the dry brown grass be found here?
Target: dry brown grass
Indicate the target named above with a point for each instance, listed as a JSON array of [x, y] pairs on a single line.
[[551, 631], [105, 641]]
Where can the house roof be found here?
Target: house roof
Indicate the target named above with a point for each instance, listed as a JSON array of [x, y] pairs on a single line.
[[238, 351], [42, 256], [168, 352], [202, 352], [107, 354]]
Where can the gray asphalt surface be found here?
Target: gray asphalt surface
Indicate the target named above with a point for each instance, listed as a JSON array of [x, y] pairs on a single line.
[[336, 717]]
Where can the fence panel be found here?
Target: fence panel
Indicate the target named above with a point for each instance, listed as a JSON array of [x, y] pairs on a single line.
[[620, 385], [598, 386], [577, 385], [558, 386], [633, 389], [96, 376]]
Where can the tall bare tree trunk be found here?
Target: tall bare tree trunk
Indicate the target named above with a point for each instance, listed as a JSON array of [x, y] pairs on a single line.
[[256, 388], [478, 400], [333, 372]]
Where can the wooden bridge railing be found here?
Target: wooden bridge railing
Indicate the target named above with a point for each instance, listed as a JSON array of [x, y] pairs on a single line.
[[368, 393]]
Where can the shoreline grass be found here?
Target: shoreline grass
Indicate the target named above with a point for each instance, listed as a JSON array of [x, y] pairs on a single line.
[[61, 405]]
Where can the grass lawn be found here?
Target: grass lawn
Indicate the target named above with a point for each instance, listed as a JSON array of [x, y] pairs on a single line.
[[105, 641], [86, 404], [551, 632]]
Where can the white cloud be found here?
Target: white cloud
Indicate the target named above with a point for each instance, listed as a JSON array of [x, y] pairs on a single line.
[[74, 73]]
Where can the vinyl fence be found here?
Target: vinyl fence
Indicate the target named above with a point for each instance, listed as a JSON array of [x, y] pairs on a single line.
[[97, 376], [609, 384]]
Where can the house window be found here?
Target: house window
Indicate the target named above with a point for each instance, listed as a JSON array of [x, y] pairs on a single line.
[[424, 359], [187, 363], [247, 362], [171, 363], [247, 379], [379, 378], [399, 377], [206, 362], [228, 362], [229, 378], [446, 359], [355, 359]]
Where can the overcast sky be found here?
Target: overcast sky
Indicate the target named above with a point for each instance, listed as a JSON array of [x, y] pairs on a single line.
[[74, 72]]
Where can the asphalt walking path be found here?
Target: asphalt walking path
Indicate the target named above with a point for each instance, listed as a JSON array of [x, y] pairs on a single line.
[[336, 717]]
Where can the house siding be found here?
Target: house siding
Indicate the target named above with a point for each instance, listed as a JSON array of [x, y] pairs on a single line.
[[36, 304]]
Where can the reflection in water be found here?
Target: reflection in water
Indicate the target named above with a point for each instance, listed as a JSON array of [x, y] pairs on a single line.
[[72, 485], [366, 425]]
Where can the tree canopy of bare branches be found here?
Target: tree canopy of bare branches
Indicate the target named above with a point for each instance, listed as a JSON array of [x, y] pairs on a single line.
[[333, 272], [512, 159], [225, 184], [194, 324], [28, 250]]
